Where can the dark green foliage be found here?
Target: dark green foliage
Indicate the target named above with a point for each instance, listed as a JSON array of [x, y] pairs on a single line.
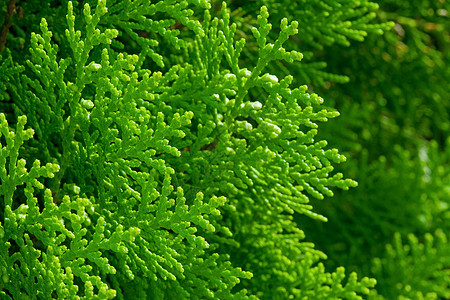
[[176, 150], [415, 270]]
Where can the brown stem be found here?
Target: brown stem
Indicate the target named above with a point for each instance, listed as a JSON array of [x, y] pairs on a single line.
[[5, 27]]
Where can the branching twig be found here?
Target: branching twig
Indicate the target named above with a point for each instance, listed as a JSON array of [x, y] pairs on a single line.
[[5, 27]]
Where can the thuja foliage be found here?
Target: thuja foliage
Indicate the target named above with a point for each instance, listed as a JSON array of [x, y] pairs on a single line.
[[394, 131], [173, 150]]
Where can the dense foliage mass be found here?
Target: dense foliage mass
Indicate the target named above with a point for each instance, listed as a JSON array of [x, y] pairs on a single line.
[[185, 149]]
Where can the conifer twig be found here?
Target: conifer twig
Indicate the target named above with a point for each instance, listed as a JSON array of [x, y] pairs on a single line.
[[5, 27]]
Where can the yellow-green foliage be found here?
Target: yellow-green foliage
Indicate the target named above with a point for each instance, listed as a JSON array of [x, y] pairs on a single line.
[[173, 150]]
